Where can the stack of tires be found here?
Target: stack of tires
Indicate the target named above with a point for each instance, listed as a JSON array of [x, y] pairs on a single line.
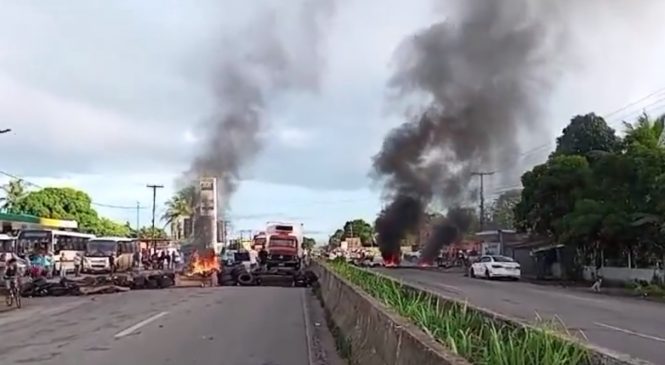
[[235, 275]]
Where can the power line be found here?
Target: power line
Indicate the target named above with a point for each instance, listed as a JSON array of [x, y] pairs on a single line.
[[636, 102], [103, 205]]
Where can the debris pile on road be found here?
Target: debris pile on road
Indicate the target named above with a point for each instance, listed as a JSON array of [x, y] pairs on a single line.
[[89, 285], [276, 276]]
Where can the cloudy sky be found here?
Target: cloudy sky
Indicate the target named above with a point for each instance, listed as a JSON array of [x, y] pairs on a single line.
[[109, 96]]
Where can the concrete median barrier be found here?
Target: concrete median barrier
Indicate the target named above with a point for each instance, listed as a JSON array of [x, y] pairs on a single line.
[[376, 335], [373, 333]]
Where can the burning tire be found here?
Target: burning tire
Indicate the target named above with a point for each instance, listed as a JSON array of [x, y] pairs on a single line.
[[245, 279]]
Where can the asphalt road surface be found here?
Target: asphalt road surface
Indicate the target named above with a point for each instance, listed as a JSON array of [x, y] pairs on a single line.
[[234, 325], [627, 325]]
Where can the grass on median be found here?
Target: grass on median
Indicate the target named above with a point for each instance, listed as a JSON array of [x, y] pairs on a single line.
[[464, 330]]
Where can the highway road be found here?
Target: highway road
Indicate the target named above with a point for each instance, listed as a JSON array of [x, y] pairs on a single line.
[[627, 325], [231, 325]]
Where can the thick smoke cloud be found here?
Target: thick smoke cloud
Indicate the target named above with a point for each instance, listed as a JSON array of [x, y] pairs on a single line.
[[484, 74], [255, 66]]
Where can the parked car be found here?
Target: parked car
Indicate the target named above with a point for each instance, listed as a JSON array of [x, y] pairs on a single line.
[[495, 266]]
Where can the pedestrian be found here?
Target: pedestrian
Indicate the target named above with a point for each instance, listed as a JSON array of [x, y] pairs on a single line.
[[77, 264], [136, 259], [253, 255], [112, 263], [49, 265], [62, 268], [263, 258], [167, 260]]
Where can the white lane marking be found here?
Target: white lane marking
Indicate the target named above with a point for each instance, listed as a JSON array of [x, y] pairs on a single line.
[[133, 328], [630, 332], [308, 332]]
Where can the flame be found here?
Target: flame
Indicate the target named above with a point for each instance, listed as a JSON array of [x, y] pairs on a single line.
[[204, 263], [391, 259], [425, 262]]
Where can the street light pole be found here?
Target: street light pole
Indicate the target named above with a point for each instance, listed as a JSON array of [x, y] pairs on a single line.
[[154, 204]]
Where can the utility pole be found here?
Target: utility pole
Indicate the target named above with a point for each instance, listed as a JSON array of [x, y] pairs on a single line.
[[138, 227], [482, 175], [154, 204]]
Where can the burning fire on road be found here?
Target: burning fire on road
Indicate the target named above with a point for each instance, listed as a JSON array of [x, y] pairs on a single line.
[[391, 259], [203, 264]]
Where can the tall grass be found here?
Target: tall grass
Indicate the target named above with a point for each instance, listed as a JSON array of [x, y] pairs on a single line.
[[465, 331]]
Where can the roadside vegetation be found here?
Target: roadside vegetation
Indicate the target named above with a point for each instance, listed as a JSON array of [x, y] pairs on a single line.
[[465, 331], [21, 197]]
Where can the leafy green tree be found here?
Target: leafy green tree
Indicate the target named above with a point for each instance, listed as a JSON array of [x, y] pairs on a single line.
[[336, 239], [182, 204], [361, 229], [645, 132], [107, 227], [149, 233], [60, 203], [465, 218], [15, 190], [503, 209], [308, 243], [550, 192], [587, 133]]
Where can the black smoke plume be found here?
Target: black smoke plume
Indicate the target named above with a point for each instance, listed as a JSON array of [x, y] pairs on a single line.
[[404, 214], [260, 64], [484, 75], [443, 234]]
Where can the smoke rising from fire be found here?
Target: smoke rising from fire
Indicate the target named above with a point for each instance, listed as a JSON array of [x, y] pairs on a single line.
[[484, 75], [255, 66]]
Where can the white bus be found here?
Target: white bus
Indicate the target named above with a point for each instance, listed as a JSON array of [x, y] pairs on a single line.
[[57, 242], [99, 249]]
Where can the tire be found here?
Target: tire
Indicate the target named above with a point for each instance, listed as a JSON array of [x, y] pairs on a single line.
[[245, 279], [228, 283], [487, 274], [472, 273]]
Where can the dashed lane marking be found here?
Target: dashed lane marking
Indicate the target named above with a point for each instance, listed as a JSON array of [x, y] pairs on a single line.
[[135, 327]]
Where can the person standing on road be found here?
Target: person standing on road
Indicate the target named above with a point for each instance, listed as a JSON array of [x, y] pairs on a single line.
[[112, 263], [77, 264], [253, 255], [49, 264], [263, 258], [63, 270]]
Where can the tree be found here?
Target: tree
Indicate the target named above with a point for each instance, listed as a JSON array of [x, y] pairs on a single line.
[[361, 229], [182, 204], [336, 239], [15, 190], [464, 218], [645, 132], [60, 203], [587, 133], [149, 233], [107, 227], [550, 192], [308, 243], [503, 209]]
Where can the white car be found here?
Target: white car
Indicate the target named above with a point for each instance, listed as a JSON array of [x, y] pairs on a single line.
[[496, 266]]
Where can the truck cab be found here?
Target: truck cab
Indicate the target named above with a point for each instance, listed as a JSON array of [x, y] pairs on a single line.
[[284, 244]]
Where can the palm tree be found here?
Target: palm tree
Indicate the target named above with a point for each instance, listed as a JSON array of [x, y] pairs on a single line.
[[181, 205], [15, 190], [646, 132]]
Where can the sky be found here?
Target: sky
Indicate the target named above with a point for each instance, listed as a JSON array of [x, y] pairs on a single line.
[[110, 96]]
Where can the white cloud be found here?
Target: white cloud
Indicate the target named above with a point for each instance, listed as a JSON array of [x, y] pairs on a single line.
[[105, 95]]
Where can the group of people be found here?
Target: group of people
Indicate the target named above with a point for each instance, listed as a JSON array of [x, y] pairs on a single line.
[[160, 260]]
